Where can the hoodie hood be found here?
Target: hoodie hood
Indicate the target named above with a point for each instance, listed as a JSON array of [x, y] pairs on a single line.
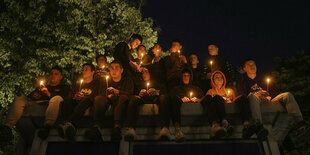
[[212, 79]]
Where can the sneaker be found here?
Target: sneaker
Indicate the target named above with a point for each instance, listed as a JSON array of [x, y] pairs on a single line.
[[66, 130], [116, 134], [229, 129], [261, 132], [217, 131], [93, 134], [248, 130], [164, 134], [70, 132], [6, 134], [179, 135], [130, 134], [44, 132]]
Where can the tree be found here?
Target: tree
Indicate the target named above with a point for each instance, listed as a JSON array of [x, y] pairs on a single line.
[[38, 34], [291, 74]]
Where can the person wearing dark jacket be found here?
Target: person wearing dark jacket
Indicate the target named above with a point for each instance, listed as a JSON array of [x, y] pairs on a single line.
[[156, 65], [174, 64], [217, 62], [80, 99], [150, 92], [185, 92], [122, 52], [197, 72], [263, 94], [51, 94], [102, 69], [116, 91]]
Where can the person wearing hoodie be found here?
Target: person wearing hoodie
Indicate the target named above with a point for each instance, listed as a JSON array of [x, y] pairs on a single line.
[[185, 92], [214, 105], [252, 86], [150, 92]]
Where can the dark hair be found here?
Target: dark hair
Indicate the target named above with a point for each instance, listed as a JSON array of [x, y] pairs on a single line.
[[245, 61], [186, 70], [194, 54], [92, 67], [136, 36], [100, 55], [141, 46], [158, 45], [57, 68], [116, 62], [214, 44], [177, 41]]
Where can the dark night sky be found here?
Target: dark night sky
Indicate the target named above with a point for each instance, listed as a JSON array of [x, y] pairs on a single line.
[[242, 28]]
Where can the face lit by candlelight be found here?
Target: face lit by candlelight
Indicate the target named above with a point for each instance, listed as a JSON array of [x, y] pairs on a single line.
[[186, 77], [135, 43], [213, 50], [157, 50], [87, 72], [55, 77], [102, 61], [146, 75], [116, 70], [141, 52], [194, 59], [250, 67], [218, 80], [175, 47]]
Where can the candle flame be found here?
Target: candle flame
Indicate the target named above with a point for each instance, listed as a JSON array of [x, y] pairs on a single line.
[[191, 93], [107, 77], [228, 92], [141, 55], [179, 51], [41, 83], [140, 62], [148, 84], [103, 66], [82, 81], [211, 62], [268, 80]]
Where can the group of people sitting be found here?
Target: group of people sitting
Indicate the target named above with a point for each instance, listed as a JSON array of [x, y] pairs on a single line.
[[169, 82]]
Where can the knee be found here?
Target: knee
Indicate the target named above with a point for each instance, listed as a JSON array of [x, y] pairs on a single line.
[[288, 95], [20, 100], [134, 100], [251, 96], [56, 100]]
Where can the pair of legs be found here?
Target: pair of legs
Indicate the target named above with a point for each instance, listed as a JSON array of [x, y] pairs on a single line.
[[101, 105], [284, 102], [215, 109], [176, 104], [72, 111], [20, 103], [133, 114]]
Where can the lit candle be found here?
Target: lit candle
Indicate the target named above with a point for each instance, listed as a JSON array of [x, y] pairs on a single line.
[[228, 92], [107, 80], [147, 86], [41, 83], [141, 62], [268, 80], [211, 62], [103, 66], [190, 95], [179, 52], [141, 56], [81, 84]]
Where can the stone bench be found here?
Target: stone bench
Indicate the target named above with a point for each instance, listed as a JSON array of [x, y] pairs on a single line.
[[194, 124]]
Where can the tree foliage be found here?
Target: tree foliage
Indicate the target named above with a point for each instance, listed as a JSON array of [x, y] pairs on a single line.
[[292, 74], [38, 34]]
